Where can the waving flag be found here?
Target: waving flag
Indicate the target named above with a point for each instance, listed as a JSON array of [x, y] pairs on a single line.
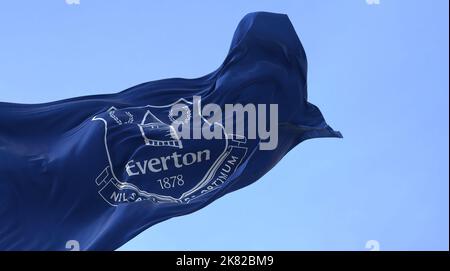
[[93, 172]]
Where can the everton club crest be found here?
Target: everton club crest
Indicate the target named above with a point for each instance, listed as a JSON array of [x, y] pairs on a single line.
[[149, 160]]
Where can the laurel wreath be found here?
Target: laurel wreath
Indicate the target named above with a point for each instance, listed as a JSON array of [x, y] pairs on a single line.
[[185, 113]]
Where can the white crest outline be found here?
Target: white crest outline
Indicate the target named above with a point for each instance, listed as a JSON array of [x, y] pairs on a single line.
[[164, 198]]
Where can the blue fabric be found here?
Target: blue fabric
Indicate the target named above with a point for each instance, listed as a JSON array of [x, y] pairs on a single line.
[[65, 171]]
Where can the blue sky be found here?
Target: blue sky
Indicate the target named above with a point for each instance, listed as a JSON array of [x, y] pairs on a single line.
[[379, 73]]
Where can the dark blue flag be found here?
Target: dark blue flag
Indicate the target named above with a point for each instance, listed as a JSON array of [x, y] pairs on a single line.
[[93, 172]]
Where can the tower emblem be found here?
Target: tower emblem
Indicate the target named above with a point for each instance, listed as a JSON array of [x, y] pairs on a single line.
[[157, 133]]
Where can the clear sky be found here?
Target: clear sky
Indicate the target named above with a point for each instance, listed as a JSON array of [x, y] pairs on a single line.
[[379, 73]]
